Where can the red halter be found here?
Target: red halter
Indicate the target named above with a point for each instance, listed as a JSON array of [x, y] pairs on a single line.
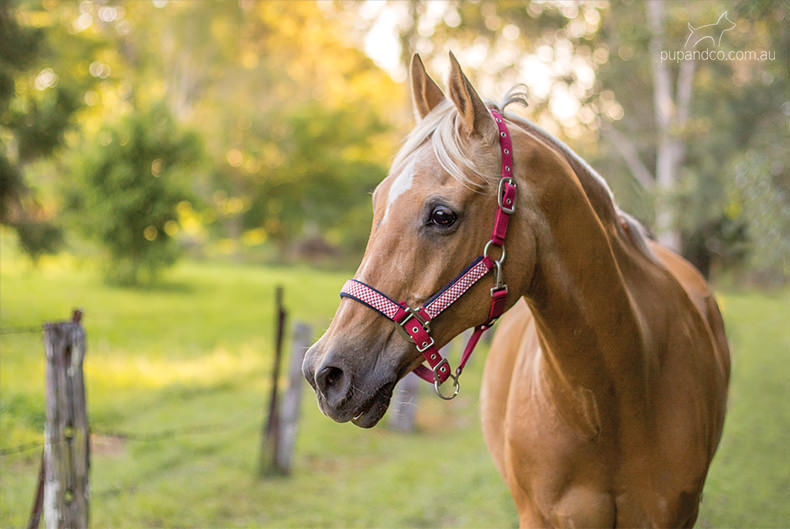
[[416, 323]]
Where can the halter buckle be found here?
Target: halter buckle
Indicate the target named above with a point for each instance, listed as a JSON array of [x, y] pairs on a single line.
[[414, 313], [425, 345], [500, 194], [426, 325]]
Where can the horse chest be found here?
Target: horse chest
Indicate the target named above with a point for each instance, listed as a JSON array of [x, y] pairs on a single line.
[[567, 457]]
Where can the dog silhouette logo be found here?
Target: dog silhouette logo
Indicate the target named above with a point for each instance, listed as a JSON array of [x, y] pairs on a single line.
[[713, 32]]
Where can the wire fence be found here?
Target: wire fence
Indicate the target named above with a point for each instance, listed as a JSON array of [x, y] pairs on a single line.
[[33, 445], [20, 449], [65, 345], [21, 330], [148, 480], [236, 427], [127, 435]]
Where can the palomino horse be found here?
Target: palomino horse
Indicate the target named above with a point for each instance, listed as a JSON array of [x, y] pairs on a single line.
[[604, 392]]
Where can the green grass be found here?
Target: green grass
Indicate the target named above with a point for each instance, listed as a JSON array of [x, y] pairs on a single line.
[[196, 350]]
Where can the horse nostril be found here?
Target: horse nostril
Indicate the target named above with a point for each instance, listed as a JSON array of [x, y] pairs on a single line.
[[327, 378]]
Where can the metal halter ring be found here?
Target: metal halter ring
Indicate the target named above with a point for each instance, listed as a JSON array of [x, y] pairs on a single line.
[[456, 387], [485, 252]]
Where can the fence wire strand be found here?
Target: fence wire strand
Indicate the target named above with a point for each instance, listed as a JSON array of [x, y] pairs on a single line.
[[128, 435], [145, 481], [20, 330], [18, 449]]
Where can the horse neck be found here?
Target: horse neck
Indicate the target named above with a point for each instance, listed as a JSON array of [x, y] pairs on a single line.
[[580, 293]]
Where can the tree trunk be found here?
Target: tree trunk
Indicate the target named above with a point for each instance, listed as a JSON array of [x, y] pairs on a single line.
[[671, 117]]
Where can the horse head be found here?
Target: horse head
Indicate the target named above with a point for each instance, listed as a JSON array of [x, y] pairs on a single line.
[[432, 215]]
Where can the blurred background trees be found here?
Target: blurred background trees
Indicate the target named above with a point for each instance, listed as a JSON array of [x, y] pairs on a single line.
[[666, 135], [125, 186], [37, 107], [273, 122]]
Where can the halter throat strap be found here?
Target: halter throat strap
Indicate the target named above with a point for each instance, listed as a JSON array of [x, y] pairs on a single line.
[[416, 322]]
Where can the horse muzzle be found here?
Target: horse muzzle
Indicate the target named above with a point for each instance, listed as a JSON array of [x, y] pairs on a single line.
[[343, 394]]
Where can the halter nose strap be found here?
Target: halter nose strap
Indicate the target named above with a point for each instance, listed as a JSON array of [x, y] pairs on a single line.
[[416, 322]]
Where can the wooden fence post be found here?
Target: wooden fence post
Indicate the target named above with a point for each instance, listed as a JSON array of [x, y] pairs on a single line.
[[38, 499], [271, 435], [292, 402], [403, 406], [66, 434], [403, 409]]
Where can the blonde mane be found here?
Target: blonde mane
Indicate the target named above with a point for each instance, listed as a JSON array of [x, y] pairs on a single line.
[[439, 128]]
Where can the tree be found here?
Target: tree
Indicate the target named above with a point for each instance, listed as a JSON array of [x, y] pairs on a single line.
[[129, 180], [29, 128], [666, 134], [298, 135]]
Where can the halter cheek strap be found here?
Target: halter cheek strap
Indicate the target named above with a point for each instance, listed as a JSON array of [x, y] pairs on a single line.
[[416, 322]]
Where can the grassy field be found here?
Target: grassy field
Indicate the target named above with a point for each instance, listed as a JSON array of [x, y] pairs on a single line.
[[196, 351]]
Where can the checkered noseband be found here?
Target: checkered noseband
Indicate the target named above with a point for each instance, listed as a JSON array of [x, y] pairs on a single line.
[[416, 323]]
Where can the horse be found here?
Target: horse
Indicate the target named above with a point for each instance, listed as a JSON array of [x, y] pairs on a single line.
[[604, 392]]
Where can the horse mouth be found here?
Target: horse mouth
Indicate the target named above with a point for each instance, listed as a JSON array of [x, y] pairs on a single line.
[[372, 410]]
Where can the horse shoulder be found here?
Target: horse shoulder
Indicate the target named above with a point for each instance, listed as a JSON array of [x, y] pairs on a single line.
[[695, 372], [701, 295], [497, 378]]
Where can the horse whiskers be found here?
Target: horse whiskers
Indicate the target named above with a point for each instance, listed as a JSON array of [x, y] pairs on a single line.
[[363, 393], [403, 405]]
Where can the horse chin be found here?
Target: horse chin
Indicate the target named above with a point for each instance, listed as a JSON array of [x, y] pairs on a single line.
[[371, 412]]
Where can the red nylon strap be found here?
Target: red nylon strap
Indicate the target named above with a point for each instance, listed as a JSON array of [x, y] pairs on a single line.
[[415, 322], [416, 325], [470, 347], [504, 145], [424, 373], [498, 299], [497, 308], [506, 193]]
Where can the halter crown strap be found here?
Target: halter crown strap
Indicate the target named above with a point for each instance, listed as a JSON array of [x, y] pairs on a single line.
[[415, 323]]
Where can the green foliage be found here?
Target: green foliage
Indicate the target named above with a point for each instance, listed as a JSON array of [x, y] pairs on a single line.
[[127, 183], [38, 238], [37, 108], [40, 122], [296, 136], [731, 103], [761, 196], [325, 174], [18, 47]]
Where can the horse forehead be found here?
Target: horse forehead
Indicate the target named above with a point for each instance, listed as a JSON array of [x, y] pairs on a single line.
[[416, 174], [402, 183]]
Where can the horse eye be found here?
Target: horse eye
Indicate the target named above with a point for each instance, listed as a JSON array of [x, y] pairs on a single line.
[[443, 216]]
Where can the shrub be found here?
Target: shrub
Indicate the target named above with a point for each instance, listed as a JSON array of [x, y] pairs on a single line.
[[129, 180]]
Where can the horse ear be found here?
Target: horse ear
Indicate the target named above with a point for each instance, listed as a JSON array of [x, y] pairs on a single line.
[[424, 92], [475, 117]]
